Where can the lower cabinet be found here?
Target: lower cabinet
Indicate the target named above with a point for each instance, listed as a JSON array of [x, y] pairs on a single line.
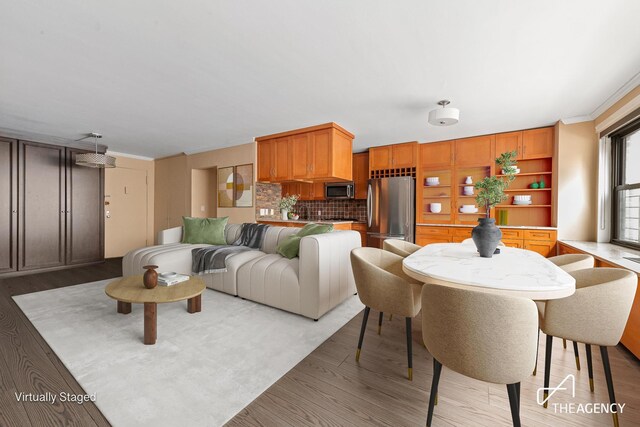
[[541, 241]]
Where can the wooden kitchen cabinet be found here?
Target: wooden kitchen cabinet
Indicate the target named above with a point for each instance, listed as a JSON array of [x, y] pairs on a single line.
[[306, 190], [394, 156], [544, 248], [317, 153], [361, 228], [537, 143], [361, 174], [477, 151], [274, 160], [436, 154], [510, 141]]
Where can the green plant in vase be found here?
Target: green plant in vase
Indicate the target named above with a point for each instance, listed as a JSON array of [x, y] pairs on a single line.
[[491, 188], [486, 235], [286, 204]]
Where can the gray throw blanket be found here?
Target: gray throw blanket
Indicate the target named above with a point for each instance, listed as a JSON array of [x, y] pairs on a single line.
[[213, 259]]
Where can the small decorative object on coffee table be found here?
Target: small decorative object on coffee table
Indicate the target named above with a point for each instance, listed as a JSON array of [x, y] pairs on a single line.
[[150, 278], [128, 290]]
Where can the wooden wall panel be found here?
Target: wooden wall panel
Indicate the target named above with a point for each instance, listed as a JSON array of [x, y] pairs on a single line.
[[42, 213], [84, 207], [9, 209]]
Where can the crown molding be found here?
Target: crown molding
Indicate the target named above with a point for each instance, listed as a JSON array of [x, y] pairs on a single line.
[[617, 96], [576, 119], [622, 112], [131, 156]]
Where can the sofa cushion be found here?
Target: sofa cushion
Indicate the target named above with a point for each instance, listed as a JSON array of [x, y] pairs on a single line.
[[290, 246], [204, 230], [274, 236]]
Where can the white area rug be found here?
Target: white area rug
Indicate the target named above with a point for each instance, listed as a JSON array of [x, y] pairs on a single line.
[[204, 368]]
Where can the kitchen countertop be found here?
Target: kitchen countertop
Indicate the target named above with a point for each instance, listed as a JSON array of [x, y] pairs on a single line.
[[306, 221], [499, 226], [607, 252]]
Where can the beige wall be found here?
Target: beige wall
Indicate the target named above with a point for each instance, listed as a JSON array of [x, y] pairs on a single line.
[[174, 184], [129, 190], [577, 180], [203, 193]]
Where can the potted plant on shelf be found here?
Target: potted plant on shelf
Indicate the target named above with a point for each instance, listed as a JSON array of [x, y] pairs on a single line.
[[286, 205], [486, 235]]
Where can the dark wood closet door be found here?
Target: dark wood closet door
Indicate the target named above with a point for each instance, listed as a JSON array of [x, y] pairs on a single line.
[[9, 206], [41, 206], [85, 219]]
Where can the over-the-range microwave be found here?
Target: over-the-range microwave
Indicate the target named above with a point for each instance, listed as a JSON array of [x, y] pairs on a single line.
[[339, 190]]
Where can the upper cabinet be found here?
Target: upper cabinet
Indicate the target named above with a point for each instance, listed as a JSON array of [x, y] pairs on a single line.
[[436, 154], [530, 144], [360, 174], [537, 143], [317, 153], [475, 151], [510, 141], [393, 156]]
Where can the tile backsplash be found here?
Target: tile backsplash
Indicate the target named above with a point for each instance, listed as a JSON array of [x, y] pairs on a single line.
[[268, 196]]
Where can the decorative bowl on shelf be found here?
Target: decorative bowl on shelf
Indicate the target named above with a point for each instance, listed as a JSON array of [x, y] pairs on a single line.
[[516, 172], [468, 190], [435, 207], [468, 209], [432, 180]]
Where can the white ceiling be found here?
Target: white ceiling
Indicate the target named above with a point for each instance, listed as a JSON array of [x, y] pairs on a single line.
[[162, 77]]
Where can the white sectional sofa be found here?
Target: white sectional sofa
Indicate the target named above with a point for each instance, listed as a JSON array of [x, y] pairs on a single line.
[[317, 280]]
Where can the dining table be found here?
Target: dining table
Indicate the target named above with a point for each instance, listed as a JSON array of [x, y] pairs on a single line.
[[516, 272]]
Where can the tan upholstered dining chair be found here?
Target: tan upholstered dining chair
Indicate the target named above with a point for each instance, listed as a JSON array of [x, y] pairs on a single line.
[[569, 263], [596, 314], [383, 286], [496, 343], [400, 247]]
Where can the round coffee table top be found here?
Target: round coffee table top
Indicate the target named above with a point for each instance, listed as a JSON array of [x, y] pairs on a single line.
[[130, 289]]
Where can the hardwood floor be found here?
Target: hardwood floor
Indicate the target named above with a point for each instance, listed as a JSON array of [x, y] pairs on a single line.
[[27, 363], [328, 388]]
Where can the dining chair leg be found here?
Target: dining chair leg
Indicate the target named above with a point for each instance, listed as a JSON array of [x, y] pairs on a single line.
[[535, 368], [380, 322], [434, 369], [437, 370], [547, 368], [575, 351], [409, 348], [564, 343], [589, 366], [362, 329], [607, 373], [514, 403]]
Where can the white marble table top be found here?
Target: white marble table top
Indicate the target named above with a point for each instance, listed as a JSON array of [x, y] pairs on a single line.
[[516, 272]]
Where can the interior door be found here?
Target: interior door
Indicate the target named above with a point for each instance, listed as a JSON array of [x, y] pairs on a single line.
[[42, 207], [126, 192], [9, 209], [85, 221]]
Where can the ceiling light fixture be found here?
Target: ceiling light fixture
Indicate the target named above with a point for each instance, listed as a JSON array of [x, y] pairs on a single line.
[[445, 116], [95, 160]]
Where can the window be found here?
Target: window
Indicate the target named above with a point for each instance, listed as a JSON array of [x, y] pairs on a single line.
[[626, 186]]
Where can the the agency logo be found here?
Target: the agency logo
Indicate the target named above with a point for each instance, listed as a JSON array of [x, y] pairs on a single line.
[[568, 384]]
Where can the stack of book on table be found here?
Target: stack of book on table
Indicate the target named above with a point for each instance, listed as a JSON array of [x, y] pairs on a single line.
[[171, 278]]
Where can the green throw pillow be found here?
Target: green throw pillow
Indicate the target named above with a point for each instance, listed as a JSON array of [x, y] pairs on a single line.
[[204, 230], [290, 246]]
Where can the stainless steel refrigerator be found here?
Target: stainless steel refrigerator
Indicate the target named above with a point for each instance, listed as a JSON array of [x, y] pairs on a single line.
[[390, 210]]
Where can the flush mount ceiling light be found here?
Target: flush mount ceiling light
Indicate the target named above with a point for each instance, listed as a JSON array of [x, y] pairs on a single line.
[[445, 116], [95, 160]]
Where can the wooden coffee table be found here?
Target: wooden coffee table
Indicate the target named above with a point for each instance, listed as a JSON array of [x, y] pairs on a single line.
[[130, 290]]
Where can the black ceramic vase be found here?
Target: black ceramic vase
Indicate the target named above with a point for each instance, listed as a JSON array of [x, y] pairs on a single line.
[[486, 236]]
